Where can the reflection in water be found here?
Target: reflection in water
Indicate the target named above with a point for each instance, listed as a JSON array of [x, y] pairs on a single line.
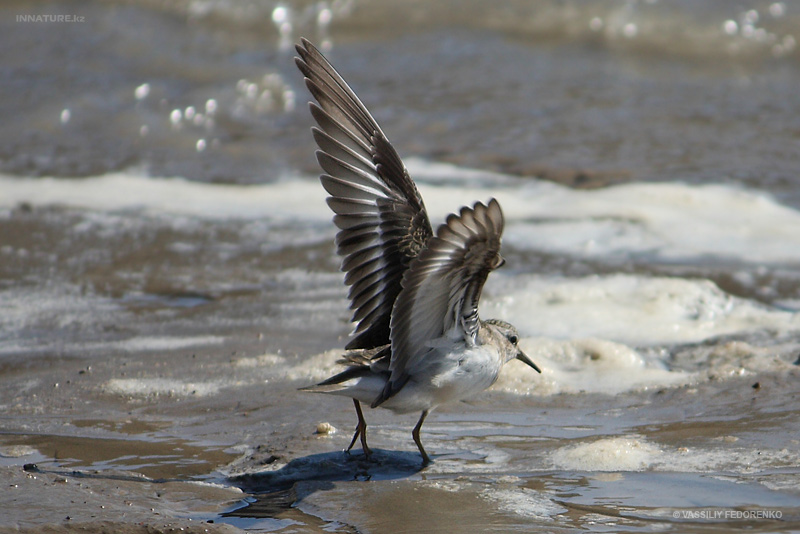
[[332, 467], [274, 495]]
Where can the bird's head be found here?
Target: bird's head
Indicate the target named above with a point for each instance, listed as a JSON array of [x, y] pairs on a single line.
[[509, 333]]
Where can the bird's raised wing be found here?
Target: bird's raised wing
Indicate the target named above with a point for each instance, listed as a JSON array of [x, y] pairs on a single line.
[[382, 220], [442, 287]]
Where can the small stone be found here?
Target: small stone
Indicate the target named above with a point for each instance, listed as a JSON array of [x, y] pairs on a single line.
[[326, 428]]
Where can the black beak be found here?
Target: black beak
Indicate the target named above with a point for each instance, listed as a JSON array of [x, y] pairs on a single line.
[[521, 356]]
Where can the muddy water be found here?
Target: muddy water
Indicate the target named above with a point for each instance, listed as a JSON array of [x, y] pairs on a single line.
[[168, 278]]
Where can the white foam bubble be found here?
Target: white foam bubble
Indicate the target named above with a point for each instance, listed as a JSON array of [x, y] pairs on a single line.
[[634, 453], [629, 309], [264, 360], [136, 344], [584, 365], [147, 387], [153, 343], [735, 459], [582, 332], [524, 502], [608, 454], [284, 200], [657, 221], [316, 368]]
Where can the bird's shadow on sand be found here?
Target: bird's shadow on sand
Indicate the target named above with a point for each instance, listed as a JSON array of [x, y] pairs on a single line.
[[273, 492]]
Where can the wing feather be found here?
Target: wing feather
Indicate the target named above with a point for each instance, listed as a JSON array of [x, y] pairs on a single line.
[[382, 219], [442, 287]]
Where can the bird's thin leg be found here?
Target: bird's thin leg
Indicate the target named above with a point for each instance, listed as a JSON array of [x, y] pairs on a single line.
[[361, 430], [425, 458], [355, 437]]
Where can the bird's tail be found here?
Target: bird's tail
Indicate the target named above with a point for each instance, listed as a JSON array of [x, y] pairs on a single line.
[[360, 363]]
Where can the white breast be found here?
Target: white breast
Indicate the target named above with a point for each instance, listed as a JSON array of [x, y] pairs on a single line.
[[445, 376]]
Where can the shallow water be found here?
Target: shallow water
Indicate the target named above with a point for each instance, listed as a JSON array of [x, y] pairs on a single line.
[[168, 278]]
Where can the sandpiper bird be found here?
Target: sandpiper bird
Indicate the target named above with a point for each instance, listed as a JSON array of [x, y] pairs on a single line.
[[418, 341]]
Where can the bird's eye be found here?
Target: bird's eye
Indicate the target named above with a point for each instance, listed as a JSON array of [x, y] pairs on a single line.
[[513, 339]]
